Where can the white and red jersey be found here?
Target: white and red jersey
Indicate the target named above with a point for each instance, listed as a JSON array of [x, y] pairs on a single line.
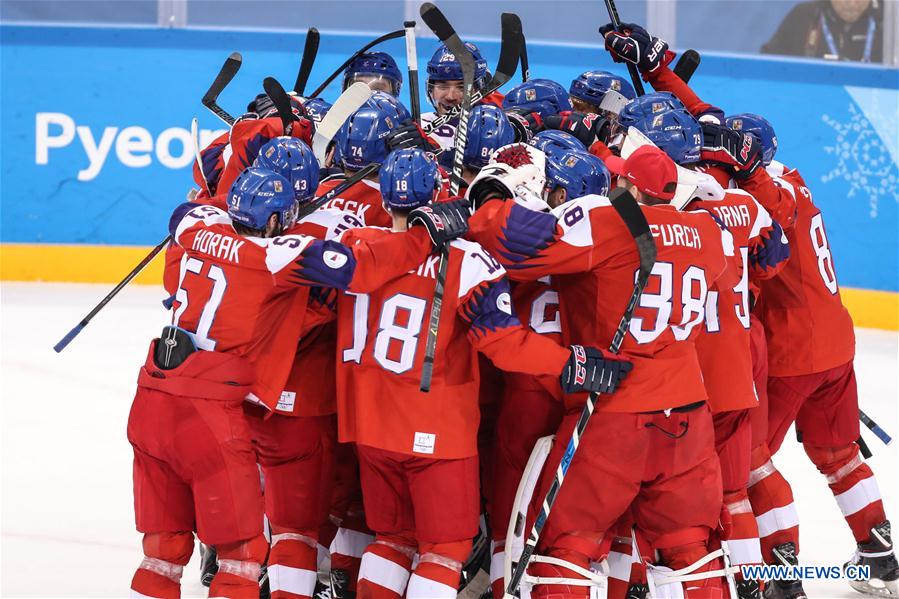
[[362, 199], [305, 395], [593, 260], [537, 306], [807, 327], [381, 345], [762, 249], [240, 294]]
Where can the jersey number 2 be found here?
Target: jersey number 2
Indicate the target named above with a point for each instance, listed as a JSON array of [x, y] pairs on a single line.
[[391, 330]]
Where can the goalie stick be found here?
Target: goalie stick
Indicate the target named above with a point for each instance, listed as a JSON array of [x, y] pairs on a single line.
[[226, 74], [629, 211], [310, 51], [446, 34], [115, 291], [687, 65], [509, 52], [513, 22], [349, 102], [631, 68], [387, 36]]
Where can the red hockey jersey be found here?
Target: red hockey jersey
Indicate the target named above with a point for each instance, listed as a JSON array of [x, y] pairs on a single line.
[[362, 199], [381, 345]]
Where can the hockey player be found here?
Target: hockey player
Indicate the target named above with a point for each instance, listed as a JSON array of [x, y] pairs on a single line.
[[360, 142], [659, 412], [378, 70], [194, 467], [811, 347], [588, 90], [445, 90], [488, 130], [417, 451], [543, 96], [531, 406]]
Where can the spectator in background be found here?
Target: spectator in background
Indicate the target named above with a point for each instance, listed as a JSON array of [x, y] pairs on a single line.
[[831, 29]]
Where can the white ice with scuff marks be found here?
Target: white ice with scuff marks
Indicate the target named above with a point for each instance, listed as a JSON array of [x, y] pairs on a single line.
[[67, 519]]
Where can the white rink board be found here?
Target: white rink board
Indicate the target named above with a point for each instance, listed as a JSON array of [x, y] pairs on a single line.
[[67, 519]]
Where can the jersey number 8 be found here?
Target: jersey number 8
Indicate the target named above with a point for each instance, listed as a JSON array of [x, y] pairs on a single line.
[[392, 329], [694, 289]]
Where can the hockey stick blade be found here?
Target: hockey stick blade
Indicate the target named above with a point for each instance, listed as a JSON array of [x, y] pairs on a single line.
[[687, 64], [412, 67], [875, 428], [349, 102], [386, 37], [115, 291], [310, 51], [224, 77], [513, 22], [195, 138], [279, 97]]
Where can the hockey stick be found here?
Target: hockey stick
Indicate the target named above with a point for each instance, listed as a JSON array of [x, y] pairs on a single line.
[[513, 21], [446, 34], [226, 74], [115, 291], [881, 434], [687, 65], [633, 217], [387, 36], [631, 68], [195, 137], [506, 66], [412, 62], [281, 100], [310, 51], [349, 102]]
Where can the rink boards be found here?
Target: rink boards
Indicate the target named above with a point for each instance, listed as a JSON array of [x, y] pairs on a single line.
[[96, 149]]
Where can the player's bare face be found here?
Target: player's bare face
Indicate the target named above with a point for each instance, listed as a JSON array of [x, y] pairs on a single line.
[[850, 10], [447, 95]]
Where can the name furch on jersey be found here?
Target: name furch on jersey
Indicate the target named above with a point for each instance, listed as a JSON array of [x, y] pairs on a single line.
[[733, 216], [677, 235], [223, 247]]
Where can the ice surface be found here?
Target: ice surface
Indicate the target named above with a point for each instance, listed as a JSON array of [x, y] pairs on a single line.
[[67, 519]]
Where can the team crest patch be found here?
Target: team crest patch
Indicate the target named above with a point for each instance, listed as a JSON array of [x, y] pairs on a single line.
[[504, 303], [389, 122], [615, 85], [737, 125], [334, 259], [530, 95], [658, 107], [269, 152], [278, 186], [657, 121], [571, 161]]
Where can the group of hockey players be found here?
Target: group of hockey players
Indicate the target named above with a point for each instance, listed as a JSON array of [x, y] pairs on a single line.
[[280, 416]]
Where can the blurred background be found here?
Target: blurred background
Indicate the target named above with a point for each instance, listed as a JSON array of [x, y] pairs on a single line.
[[97, 97]]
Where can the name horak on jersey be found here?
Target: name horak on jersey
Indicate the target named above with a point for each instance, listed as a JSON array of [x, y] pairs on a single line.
[[677, 235], [223, 247]]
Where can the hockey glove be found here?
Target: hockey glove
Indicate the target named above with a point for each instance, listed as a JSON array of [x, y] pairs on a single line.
[[525, 123], [444, 221], [741, 151], [587, 127], [410, 136], [633, 44], [593, 370]]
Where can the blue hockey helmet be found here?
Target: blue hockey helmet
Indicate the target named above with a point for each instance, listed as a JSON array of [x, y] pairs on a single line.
[[376, 69], [648, 106], [578, 172], [317, 108], [384, 101], [293, 160], [676, 132], [758, 126], [443, 66], [256, 194], [361, 139], [543, 96], [552, 141], [591, 87], [488, 130], [409, 178]]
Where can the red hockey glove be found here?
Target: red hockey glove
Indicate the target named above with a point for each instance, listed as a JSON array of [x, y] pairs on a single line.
[[591, 369]]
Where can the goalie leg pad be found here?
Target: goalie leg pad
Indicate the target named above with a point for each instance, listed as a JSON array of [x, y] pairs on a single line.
[[690, 569]]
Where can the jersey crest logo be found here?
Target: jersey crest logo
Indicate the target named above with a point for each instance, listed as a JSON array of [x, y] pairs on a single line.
[[504, 303], [334, 259]]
